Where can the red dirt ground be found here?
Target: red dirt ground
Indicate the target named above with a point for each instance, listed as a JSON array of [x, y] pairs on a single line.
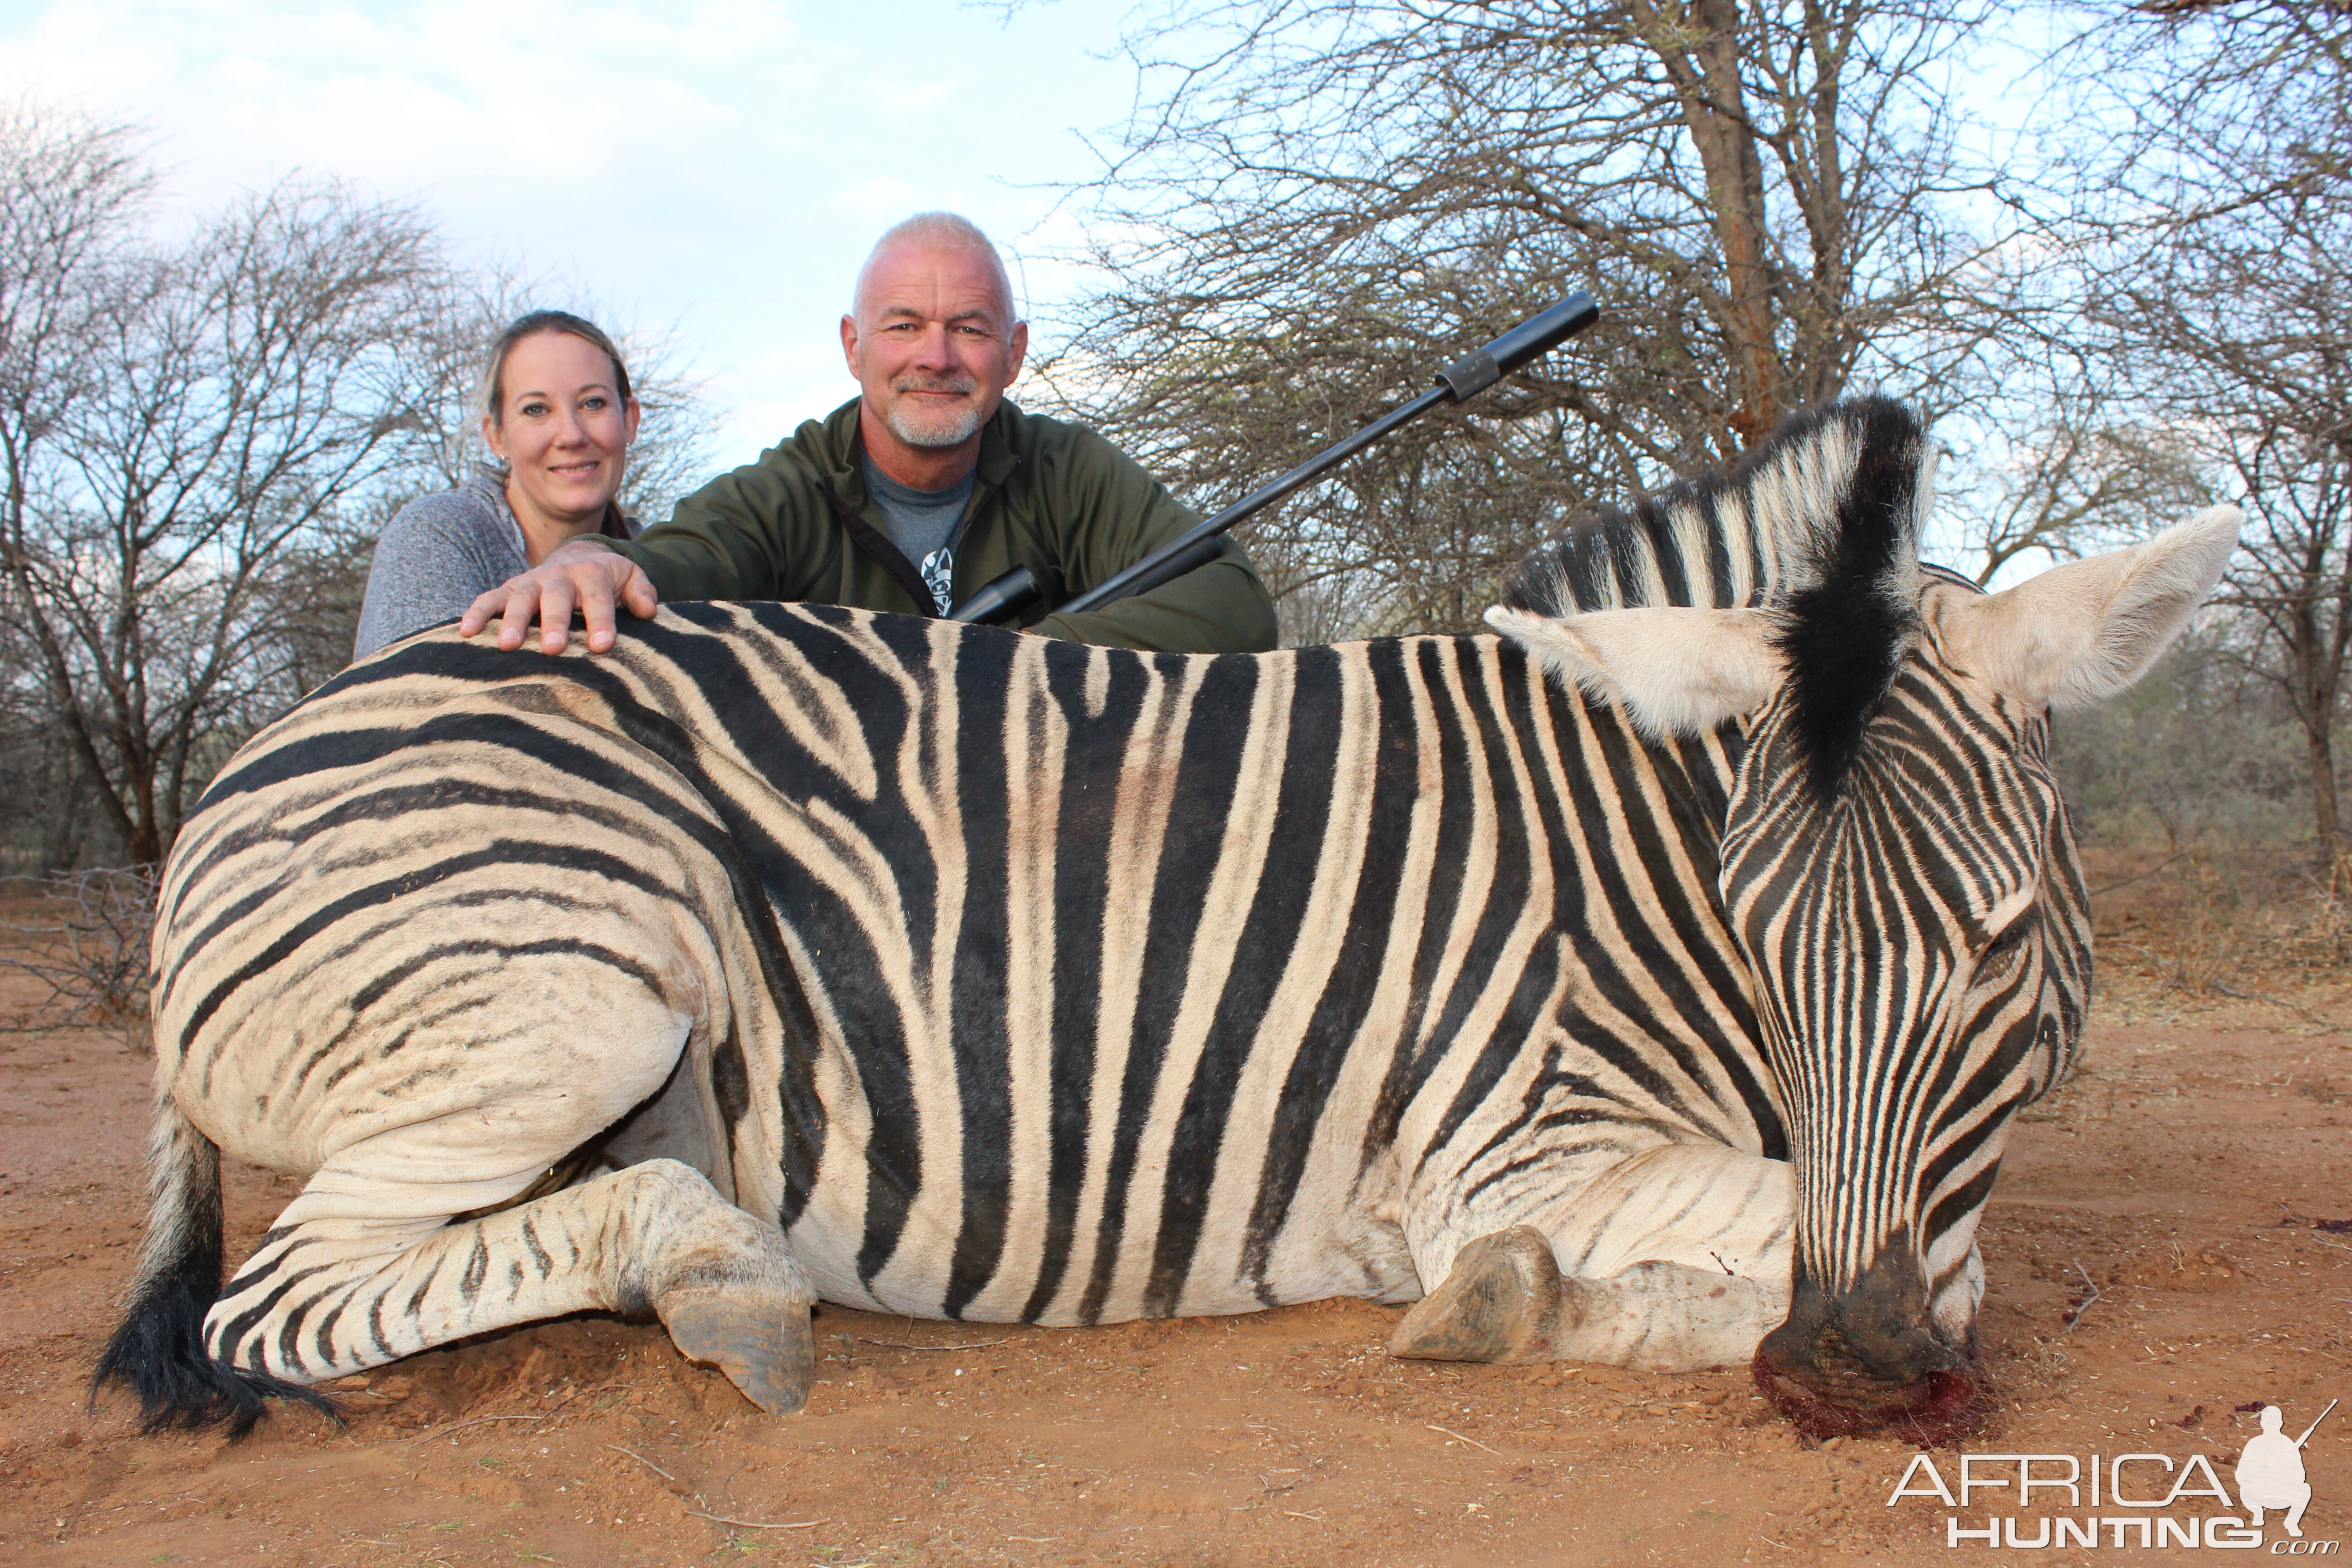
[[2183, 1170]]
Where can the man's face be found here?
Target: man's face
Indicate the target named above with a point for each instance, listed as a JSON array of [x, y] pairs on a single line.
[[932, 344]]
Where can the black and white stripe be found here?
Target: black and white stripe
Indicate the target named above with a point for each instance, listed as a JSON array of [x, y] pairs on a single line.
[[987, 976]]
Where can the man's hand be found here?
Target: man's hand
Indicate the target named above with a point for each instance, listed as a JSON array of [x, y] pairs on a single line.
[[583, 574]]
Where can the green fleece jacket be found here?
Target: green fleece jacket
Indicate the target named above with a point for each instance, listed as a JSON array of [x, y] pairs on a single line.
[[1055, 498]]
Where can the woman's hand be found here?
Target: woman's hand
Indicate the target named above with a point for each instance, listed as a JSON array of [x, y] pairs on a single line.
[[584, 574]]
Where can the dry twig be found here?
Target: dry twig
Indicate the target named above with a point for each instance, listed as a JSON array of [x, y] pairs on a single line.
[[477, 1421], [753, 1523], [1458, 1437], [642, 1460], [2075, 1316], [703, 1513], [2232, 992], [2144, 875], [904, 1345]]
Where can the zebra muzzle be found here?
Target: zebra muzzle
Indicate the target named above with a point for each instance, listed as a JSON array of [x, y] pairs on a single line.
[[1869, 1358]]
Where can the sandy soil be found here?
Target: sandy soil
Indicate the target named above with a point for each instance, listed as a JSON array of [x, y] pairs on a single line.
[[2199, 1171]]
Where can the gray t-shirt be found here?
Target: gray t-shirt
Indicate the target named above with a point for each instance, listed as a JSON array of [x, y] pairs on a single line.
[[441, 553], [438, 555], [922, 524]]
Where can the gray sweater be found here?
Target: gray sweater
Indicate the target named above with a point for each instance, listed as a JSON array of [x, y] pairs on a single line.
[[441, 553]]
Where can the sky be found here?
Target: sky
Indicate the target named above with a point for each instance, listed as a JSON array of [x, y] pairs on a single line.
[[711, 168]]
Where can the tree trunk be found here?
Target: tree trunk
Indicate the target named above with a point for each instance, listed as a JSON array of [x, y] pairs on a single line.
[[1712, 99], [2322, 755]]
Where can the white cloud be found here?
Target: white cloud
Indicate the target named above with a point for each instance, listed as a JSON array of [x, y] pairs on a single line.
[[718, 165]]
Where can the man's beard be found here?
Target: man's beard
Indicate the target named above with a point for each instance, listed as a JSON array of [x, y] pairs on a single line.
[[919, 426]]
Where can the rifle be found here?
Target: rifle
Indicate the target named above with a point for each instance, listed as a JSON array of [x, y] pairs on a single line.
[[1464, 378], [2316, 1420]]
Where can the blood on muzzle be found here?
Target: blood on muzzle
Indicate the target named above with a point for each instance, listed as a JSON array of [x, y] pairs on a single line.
[[1869, 1357]]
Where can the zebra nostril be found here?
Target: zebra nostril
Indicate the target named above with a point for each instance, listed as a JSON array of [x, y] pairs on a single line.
[[1865, 1357], [1787, 1351], [1837, 1373]]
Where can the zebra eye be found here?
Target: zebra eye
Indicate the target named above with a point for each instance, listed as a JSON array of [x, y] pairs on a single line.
[[2007, 945]]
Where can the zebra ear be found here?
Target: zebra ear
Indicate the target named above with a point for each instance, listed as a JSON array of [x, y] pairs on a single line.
[[2085, 631], [1678, 671]]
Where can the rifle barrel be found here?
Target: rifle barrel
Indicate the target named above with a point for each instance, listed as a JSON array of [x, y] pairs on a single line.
[[1465, 377], [1175, 557]]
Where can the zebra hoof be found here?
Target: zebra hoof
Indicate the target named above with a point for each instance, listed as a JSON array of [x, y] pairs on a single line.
[[1504, 1301], [762, 1341]]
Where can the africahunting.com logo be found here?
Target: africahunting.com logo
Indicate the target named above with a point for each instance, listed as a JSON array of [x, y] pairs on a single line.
[[2128, 1500]]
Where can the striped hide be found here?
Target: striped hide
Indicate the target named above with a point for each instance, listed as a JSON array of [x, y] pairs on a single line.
[[1646, 984]]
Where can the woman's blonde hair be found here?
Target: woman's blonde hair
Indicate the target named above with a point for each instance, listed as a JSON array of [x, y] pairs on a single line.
[[494, 369], [616, 524]]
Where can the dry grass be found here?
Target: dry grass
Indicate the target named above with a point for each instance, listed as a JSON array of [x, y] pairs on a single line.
[[81, 937], [2208, 930]]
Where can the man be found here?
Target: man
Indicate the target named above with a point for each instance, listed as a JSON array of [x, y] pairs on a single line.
[[914, 494], [2270, 1472]]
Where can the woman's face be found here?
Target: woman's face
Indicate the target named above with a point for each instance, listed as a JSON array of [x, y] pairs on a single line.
[[564, 428]]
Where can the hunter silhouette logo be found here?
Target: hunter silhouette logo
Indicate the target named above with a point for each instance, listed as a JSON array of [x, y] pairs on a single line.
[[2128, 1500], [2270, 1471]]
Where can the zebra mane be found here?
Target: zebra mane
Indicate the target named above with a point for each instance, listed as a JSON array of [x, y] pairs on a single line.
[[1821, 522]]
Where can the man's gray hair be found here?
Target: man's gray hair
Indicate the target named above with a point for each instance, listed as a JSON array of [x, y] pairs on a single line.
[[946, 231]]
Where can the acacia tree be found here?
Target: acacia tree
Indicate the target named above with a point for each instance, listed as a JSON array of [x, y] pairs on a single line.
[[2220, 281], [201, 441], [2219, 105], [231, 394], [2249, 323], [1322, 200], [2080, 469], [69, 192]]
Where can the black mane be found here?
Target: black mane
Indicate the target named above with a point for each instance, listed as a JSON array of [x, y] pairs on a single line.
[[1821, 522]]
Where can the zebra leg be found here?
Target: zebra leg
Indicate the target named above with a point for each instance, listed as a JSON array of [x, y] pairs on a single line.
[[341, 1284], [1676, 1259], [1507, 1300]]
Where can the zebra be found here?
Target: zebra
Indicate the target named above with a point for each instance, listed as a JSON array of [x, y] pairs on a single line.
[[1649, 980]]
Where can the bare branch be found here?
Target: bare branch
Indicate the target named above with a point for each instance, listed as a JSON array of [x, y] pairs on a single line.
[[90, 953], [1320, 201]]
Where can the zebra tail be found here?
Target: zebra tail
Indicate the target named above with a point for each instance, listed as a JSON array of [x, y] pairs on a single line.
[[159, 1351]]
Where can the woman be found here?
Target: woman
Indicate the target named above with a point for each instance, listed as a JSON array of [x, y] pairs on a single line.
[[557, 414]]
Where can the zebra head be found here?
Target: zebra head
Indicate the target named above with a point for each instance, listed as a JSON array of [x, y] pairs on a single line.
[[1896, 864]]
